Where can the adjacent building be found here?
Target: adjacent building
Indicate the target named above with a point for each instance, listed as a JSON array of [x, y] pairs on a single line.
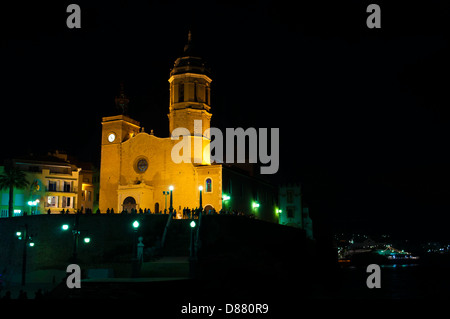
[[292, 211], [54, 184]]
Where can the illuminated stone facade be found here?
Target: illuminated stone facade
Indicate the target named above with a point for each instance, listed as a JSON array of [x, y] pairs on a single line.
[[136, 168]]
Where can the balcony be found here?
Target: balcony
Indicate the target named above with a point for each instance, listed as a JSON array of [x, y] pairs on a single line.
[[71, 190]]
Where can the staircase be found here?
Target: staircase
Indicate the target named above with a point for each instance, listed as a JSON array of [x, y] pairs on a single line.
[[166, 267], [178, 238], [175, 260]]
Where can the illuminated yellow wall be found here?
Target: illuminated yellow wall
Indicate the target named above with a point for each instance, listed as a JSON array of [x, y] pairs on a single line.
[[120, 177]]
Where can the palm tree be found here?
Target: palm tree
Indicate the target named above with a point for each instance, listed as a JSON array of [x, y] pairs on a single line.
[[12, 177]]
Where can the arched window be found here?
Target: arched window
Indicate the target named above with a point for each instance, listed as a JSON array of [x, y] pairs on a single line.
[[208, 188]]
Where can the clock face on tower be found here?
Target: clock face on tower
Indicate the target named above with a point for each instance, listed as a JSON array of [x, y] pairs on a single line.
[[111, 137]]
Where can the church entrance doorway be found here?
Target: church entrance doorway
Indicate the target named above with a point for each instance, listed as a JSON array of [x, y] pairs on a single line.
[[129, 203], [208, 208]]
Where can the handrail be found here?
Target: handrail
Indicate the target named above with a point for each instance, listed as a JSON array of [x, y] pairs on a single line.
[[163, 240]]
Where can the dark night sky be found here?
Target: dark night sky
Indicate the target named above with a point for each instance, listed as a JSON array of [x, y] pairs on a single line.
[[363, 114]]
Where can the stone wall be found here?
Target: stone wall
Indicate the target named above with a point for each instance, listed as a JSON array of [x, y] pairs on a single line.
[[229, 244], [111, 239]]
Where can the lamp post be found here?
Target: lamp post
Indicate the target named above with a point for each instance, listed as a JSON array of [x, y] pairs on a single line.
[[171, 200], [225, 200], [135, 227], [134, 260], [165, 193], [33, 203], [255, 206], [200, 188], [76, 235], [26, 238], [192, 252]]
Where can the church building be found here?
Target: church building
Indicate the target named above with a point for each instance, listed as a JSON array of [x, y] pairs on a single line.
[[137, 168]]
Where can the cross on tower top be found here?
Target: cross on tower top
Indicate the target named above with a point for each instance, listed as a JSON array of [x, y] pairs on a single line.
[[122, 100]]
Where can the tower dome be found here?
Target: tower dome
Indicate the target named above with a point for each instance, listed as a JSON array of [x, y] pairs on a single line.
[[190, 61]]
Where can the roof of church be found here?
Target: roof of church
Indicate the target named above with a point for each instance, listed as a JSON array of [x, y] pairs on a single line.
[[190, 60]]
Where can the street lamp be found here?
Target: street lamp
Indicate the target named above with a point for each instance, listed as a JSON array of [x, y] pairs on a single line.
[[192, 253], [171, 200], [26, 243], [33, 203], [200, 188], [226, 200], [76, 234], [134, 263], [165, 193]]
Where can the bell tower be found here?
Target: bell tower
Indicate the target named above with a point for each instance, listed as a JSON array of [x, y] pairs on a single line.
[[190, 91], [115, 130]]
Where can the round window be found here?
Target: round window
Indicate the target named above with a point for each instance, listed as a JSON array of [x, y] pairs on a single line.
[[142, 165]]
